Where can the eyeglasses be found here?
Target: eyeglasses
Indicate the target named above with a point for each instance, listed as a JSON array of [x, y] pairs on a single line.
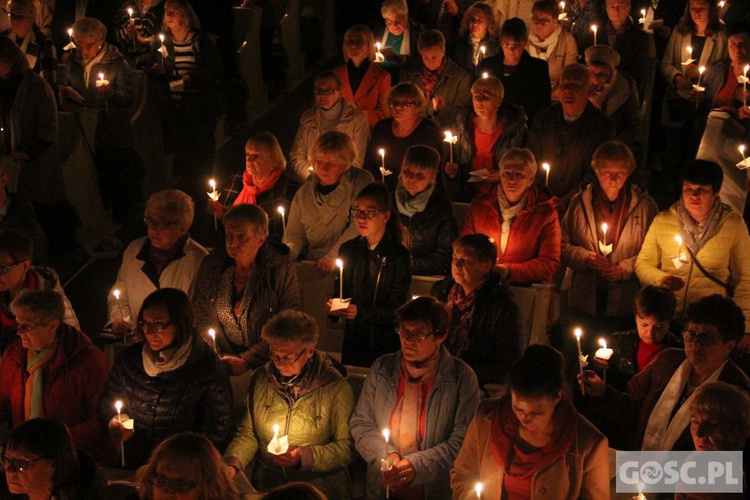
[[543, 21], [402, 104], [286, 360], [483, 97], [159, 224], [18, 465], [702, 339], [155, 327], [5, 269], [364, 214], [319, 91], [174, 485], [412, 335], [355, 42], [512, 45]]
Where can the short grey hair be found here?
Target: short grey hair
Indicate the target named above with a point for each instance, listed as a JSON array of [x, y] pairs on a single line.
[[613, 151], [394, 8], [515, 156], [88, 26], [338, 144], [44, 305], [291, 327], [249, 214], [173, 203]]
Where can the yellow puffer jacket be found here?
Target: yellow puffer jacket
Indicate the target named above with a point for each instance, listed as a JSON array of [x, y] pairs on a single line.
[[726, 255]]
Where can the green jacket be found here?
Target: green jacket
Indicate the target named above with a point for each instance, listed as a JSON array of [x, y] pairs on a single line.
[[317, 423]]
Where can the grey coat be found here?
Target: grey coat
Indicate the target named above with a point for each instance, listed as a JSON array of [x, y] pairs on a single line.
[[453, 85], [450, 407]]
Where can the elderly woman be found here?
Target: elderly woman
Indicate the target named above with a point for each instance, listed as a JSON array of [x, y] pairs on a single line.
[[171, 383], [398, 37], [487, 329], [99, 78], [319, 219], [521, 218], [407, 127], [532, 439], [444, 83], [719, 418], [425, 213], [364, 83], [722, 88], [550, 42], [53, 371], [136, 26], [37, 46], [264, 182], [477, 38], [40, 461], [377, 275], [656, 405], [602, 232], [425, 437], [166, 258], [485, 130], [302, 395], [526, 79], [186, 464], [241, 285], [712, 253]]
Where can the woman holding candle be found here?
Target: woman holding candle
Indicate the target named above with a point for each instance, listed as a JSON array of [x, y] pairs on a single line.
[[173, 382], [477, 38], [486, 130], [521, 218], [264, 182], [305, 394], [377, 276], [241, 285], [166, 258], [364, 83], [584, 14], [136, 26], [398, 37], [425, 397], [532, 439], [406, 127], [603, 260]]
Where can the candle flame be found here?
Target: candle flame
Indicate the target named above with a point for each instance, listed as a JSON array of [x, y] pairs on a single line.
[[701, 69], [604, 228], [212, 183], [118, 406], [381, 152], [116, 293], [578, 333], [603, 343], [594, 28], [130, 12], [479, 488], [212, 333], [485, 75], [414, 297], [448, 136], [562, 5], [386, 435], [70, 31], [377, 46], [280, 210], [643, 12], [690, 50], [678, 239], [101, 76], [545, 166], [340, 263], [721, 4], [483, 49], [276, 429], [161, 37], [742, 150], [746, 69]]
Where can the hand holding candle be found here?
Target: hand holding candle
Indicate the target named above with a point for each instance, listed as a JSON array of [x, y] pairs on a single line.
[[605, 249], [379, 57], [604, 353], [384, 172], [451, 140]]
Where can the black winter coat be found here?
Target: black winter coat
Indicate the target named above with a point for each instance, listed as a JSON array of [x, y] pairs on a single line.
[[195, 397], [378, 283], [498, 334], [623, 365], [430, 234]]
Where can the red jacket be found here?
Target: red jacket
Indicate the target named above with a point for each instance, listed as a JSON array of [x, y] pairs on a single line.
[[372, 94], [74, 381], [533, 250]]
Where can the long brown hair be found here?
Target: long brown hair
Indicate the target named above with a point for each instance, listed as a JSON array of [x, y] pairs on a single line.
[[687, 25]]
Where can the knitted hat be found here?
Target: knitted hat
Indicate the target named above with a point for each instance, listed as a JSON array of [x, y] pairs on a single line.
[[602, 54]]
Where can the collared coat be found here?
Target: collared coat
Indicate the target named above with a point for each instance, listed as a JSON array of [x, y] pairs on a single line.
[[372, 94]]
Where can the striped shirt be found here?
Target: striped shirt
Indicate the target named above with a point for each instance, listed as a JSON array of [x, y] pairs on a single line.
[[184, 64], [147, 22]]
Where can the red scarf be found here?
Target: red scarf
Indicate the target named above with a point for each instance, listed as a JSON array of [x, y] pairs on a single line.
[[251, 190], [647, 353], [429, 79], [518, 466], [458, 340]]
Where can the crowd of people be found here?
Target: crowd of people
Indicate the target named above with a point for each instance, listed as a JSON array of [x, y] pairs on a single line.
[[533, 117]]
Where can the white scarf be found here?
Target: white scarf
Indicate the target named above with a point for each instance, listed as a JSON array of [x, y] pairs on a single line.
[[476, 43], [89, 65], [508, 212], [661, 433], [404, 43], [31, 58], [535, 44]]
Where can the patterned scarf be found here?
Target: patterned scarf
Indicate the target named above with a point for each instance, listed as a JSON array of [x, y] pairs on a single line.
[[614, 213], [251, 190], [291, 387], [458, 340], [166, 360], [429, 79], [34, 396], [541, 48], [695, 234], [508, 212]]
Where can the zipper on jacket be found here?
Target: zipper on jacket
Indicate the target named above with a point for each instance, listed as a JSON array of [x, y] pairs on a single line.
[[377, 281]]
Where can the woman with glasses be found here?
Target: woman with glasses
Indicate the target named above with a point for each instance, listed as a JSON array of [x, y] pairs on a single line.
[[425, 397], [41, 462], [656, 407], [521, 218], [550, 42], [241, 285], [377, 276], [602, 232], [301, 395], [477, 38], [186, 466], [166, 258], [398, 36], [363, 82], [406, 127], [526, 79], [485, 130], [699, 246], [171, 383]]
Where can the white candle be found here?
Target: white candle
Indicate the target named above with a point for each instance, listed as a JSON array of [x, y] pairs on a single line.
[[212, 183], [604, 353], [483, 50], [594, 29], [162, 50], [643, 17], [381, 152], [276, 431], [281, 211], [742, 152], [387, 436], [604, 232], [116, 293], [678, 239], [70, 35], [118, 407], [478, 490], [578, 332], [451, 140], [379, 58], [340, 265], [215, 197], [701, 70], [546, 168], [212, 334]]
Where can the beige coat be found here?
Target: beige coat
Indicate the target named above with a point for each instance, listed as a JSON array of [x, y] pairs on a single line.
[[725, 255], [582, 473], [579, 239]]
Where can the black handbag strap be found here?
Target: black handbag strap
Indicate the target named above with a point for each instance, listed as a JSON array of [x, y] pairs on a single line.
[[708, 274]]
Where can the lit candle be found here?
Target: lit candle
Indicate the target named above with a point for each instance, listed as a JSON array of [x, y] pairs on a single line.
[[340, 265], [689, 59], [383, 171], [678, 239], [387, 436], [214, 195], [604, 353], [276, 431], [562, 16], [742, 152], [701, 70], [604, 232], [162, 49], [280, 209], [451, 140], [594, 29], [118, 407], [130, 15], [485, 75], [640, 495], [212, 334], [116, 293], [483, 50], [70, 45], [578, 334], [478, 490], [379, 58], [101, 81], [546, 168]]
